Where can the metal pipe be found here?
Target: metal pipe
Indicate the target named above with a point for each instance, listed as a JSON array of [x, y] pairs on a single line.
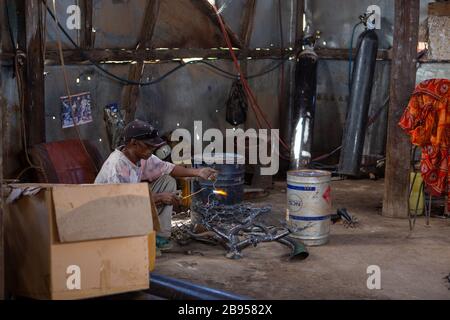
[[174, 289], [305, 100], [359, 102]]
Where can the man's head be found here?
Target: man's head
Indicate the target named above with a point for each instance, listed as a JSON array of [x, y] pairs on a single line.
[[142, 139]]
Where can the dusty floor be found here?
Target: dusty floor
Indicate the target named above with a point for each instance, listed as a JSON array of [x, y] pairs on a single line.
[[412, 266]]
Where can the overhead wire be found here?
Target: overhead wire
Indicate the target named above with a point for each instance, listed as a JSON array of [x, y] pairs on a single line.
[[161, 78]]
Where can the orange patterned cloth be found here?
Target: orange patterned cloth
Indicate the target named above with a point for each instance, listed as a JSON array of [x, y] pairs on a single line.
[[427, 121]]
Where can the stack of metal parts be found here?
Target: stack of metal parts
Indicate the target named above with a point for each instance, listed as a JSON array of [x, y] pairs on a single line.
[[237, 227]]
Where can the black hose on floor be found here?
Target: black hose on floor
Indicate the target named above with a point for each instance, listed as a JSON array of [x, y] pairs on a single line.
[[174, 289]]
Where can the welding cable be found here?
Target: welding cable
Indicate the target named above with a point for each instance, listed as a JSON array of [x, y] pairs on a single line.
[[148, 83]]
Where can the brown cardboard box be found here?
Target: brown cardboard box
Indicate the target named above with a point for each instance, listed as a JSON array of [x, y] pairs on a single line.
[[94, 236]]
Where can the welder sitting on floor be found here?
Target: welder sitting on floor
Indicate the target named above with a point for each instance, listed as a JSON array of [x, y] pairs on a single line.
[[134, 162]]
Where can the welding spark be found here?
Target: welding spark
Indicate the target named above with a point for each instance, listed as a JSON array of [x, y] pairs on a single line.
[[220, 192]]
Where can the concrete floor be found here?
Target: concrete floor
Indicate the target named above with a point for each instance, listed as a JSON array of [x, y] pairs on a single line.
[[413, 266]]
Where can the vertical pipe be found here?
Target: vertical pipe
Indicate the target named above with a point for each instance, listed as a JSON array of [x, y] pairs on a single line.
[[295, 39], [305, 101]]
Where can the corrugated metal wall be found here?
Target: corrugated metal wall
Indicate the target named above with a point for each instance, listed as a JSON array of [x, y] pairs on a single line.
[[198, 93]]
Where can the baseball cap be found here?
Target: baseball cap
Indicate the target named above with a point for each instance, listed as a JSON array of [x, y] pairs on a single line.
[[143, 131]]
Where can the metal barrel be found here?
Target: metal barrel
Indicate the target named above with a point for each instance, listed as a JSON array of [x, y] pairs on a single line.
[[309, 205], [230, 181]]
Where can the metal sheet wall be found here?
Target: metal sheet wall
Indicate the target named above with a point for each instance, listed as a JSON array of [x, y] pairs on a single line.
[[103, 91], [266, 26], [332, 99], [194, 93], [433, 71]]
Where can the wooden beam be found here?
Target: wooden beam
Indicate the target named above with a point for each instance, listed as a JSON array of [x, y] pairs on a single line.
[[439, 9], [72, 56], [87, 8], [207, 9], [30, 42], [403, 78], [247, 23], [2, 247], [118, 55], [343, 54], [130, 93], [246, 32], [148, 25]]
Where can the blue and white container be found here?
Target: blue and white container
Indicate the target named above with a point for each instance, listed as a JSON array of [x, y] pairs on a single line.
[[309, 205]]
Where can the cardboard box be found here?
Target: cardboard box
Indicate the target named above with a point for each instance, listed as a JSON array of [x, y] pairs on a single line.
[[79, 241]]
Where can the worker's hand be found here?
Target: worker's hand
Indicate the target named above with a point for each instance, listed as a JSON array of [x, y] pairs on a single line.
[[166, 198], [207, 173]]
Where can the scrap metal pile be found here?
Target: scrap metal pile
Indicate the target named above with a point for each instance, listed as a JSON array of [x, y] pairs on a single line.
[[237, 227]]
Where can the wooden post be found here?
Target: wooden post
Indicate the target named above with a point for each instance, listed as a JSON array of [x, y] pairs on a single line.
[[130, 93], [86, 27], [30, 41], [403, 78], [2, 247], [246, 32]]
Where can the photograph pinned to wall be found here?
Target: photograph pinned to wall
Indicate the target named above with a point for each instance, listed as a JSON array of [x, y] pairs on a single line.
[[78, 106]]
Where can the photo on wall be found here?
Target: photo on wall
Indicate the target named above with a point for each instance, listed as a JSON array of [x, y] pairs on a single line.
[[76, 106]]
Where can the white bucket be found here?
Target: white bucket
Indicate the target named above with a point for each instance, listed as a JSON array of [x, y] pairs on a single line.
[[309, 205]]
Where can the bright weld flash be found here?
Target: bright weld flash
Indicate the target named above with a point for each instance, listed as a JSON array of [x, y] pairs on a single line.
[[220, 192]]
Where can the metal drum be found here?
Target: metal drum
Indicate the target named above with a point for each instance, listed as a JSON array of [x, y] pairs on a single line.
[[230, 181], [309, 205]]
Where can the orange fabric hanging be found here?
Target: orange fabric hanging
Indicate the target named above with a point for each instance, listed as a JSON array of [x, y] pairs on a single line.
[[427, 121]]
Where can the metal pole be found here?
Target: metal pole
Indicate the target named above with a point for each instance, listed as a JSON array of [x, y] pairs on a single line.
[[174, 289]]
